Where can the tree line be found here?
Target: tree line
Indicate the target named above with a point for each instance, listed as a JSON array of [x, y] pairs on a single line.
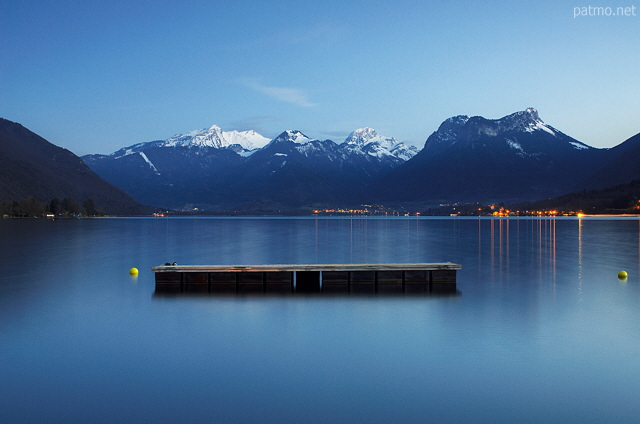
[[34, 208], [623, 198]]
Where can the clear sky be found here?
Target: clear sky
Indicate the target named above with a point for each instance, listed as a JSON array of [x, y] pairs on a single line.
[[94, 76]]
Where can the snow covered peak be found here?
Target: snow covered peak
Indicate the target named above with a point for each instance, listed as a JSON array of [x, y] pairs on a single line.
[[362, 136], [293, 136], [249, 140], [211, 137], [533, 112], [242, 142], [527, 120], [368, 141], [215, 137], [522, 131], [456, 120]]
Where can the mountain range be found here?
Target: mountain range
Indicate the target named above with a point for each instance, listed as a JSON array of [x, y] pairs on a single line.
[[212, 170], [517, 158]]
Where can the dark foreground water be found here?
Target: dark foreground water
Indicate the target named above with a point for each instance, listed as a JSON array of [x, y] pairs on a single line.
[[541, 331]]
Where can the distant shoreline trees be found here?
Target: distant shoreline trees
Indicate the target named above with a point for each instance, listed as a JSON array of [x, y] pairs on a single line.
[[31, 207]]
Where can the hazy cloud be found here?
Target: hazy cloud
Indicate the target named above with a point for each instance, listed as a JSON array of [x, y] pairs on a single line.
[[294, 96]]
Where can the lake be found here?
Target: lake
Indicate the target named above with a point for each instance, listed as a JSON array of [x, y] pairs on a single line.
[[541, 329]]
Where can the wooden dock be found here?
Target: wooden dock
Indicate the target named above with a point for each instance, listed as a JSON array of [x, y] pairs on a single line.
[[409, 278]]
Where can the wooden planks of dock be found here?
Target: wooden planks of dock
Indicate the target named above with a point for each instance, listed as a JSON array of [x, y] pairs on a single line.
[[388, 278]]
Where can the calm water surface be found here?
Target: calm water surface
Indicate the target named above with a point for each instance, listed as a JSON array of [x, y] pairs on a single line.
[[541, 331]]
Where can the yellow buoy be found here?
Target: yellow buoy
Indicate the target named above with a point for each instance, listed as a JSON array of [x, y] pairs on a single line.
[[133, 272], [623, 275]]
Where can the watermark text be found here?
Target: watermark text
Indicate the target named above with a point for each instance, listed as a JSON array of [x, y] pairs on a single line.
[[582, 11]]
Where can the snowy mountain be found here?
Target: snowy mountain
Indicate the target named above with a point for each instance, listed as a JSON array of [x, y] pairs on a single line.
[[468, 159], [175, 171], [511, 129], [368, 141], [291, 136], [215, 137], [295, 170], [513, 158], [242, 142], [214, 168], [363, 141]]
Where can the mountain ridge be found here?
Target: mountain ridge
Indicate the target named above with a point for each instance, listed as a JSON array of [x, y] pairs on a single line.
[[515, 158], [473, 159], [178, 172], [31, 166]]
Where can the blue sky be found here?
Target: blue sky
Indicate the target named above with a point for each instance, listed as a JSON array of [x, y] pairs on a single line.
[[94, 76]]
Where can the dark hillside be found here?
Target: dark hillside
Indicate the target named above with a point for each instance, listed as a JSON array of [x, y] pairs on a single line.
[[30, 166]]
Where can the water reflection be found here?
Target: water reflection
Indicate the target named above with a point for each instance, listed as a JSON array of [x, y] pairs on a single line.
[[580, 259], [508, 244], [80, 336], [552, 252], [496, 251]]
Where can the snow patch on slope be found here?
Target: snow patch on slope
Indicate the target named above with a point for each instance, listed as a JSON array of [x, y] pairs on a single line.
[[579, 146], [151, 165]]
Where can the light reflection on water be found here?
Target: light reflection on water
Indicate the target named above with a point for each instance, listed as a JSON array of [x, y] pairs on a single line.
[[543, 330]]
